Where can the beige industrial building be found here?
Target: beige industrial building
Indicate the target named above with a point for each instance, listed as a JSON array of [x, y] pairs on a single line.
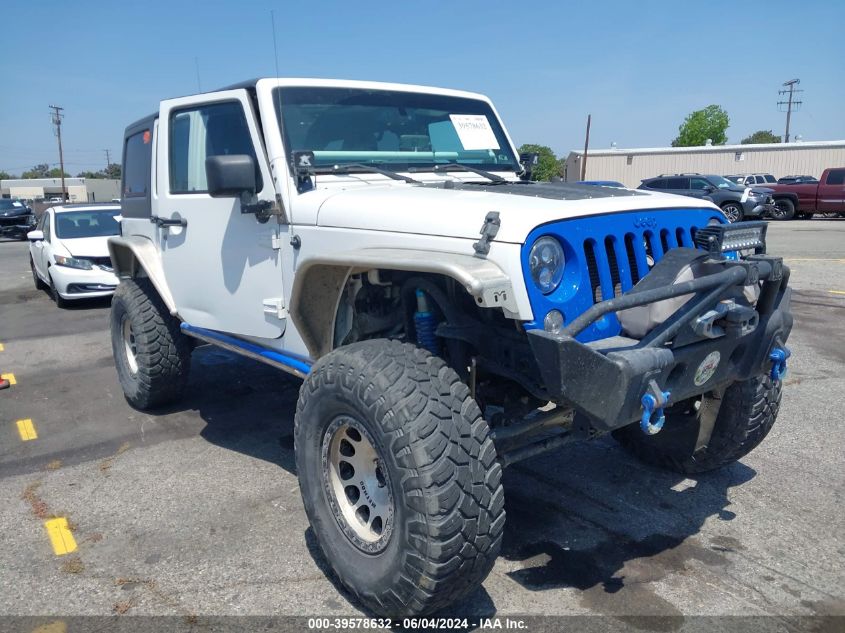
[[631, 166], [78, 189]]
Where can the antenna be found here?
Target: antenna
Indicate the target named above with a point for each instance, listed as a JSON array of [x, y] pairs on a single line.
[[282, 217], [197, 66]]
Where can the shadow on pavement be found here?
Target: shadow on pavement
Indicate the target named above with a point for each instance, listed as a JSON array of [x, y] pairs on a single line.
[[587, 517]]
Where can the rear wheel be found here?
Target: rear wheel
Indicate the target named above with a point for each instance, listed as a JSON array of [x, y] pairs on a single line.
[[399, 477], [784, 209], [733, 211], [740, 417], [151, 354]]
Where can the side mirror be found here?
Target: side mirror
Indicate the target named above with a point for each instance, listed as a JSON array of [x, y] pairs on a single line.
[[710, 189], [35, 236], [528, 160], [230, 176]]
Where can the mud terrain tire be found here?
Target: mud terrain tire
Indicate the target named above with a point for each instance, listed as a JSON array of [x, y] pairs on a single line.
[[438, 466], [152, 357]]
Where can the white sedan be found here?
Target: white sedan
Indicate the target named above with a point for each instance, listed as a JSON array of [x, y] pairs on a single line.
[[68, 251]]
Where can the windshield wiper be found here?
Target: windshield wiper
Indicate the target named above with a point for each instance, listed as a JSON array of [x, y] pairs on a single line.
[[346, 168], [461, 167]]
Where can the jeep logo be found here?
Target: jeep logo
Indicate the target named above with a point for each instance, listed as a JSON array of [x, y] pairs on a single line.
[[645, 222]]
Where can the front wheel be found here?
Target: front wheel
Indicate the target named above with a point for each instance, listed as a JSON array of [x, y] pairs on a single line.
[[60, 301], [399, 477], [151, 354], [733, 211], [740, 417], [784, 209], [39, 285]]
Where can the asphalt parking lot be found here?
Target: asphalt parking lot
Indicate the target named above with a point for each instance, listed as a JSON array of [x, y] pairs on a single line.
[[195, 510]]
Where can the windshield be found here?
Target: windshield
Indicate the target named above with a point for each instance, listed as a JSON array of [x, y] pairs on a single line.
[[74, 224], [396, 129], [721, 183], [8, 205]]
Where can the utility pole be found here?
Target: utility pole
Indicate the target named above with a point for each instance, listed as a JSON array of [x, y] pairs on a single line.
[[586, 148], [108, 160], [57, 121], [790, 102]]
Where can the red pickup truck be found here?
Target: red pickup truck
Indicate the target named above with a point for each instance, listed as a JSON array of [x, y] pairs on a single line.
[[804, 199]]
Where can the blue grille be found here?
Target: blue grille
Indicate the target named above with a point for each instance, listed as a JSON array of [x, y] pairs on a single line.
[[606, 255]]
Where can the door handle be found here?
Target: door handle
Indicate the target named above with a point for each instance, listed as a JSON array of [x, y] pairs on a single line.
[[168, 222]]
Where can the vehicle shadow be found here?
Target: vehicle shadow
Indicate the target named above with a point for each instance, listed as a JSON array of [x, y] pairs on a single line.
[[586, 518], [592, 519]]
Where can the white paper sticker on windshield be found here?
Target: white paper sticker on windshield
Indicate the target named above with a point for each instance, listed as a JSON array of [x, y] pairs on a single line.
[[474, 131]]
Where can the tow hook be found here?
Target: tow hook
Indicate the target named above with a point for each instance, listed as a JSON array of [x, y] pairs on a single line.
[[653, 402], [778, 358]]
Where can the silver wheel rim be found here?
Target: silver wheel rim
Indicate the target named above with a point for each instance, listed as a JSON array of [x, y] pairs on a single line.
[[779, 211], [731, 212], [357, 485], [129, 345]]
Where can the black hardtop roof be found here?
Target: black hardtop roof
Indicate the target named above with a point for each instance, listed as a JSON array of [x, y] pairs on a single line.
[[147, 121]]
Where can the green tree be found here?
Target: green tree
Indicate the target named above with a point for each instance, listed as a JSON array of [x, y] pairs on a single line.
[[4, 175], [41, 170], [760, 136], [90, 174], [56, 173], [548, 165], [710, 123], [112, 171]]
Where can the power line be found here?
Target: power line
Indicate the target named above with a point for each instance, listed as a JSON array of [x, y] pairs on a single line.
[[790, 102]]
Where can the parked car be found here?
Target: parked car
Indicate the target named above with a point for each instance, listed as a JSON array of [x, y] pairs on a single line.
[[792, 180], [68, 251], [735, 201], [447, 315], [825, 196], [750, 180], [16, 218]]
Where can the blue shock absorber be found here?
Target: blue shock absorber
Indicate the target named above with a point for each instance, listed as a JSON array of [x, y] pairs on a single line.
[[425, 324]]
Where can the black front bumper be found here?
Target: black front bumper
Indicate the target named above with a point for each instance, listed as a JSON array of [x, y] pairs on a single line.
[[17, 225], [606, 380]]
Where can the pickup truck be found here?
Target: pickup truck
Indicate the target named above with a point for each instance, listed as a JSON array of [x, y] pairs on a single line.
[[807, 198]]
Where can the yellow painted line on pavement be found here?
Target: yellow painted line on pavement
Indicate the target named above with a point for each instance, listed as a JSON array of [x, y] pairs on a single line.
[[2, 347], [60, 536], [57, 626], [26, 429], [10, 378], [837, 292]]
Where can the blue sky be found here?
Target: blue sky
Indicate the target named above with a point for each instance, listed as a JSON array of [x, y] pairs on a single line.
[[638, 66]]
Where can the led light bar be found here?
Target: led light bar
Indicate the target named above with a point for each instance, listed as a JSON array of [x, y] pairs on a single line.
[[724, 238]]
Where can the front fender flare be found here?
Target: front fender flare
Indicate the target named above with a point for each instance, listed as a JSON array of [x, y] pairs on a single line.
[[135, 256], [319, 281]]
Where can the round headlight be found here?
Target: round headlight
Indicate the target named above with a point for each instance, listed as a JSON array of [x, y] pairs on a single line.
[[546, 263]]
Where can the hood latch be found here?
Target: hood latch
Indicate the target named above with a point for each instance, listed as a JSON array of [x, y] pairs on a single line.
[[488, 231]]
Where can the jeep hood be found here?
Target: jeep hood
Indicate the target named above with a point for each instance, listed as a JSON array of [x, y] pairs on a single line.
[[459, 209]]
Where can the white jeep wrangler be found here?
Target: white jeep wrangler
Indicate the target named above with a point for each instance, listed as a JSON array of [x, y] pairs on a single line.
[[447, 315]]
